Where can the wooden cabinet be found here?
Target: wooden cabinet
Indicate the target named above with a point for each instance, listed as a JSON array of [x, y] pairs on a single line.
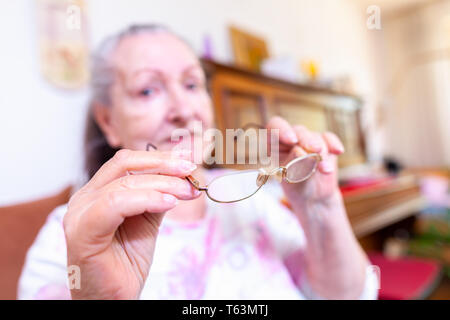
[[241, 96]]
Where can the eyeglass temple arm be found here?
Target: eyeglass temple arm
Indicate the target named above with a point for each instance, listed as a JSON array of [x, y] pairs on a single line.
[[150, 145], [195, 183]]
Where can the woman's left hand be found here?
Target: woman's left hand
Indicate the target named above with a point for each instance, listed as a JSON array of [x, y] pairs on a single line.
[[296, 141], [335, 264]]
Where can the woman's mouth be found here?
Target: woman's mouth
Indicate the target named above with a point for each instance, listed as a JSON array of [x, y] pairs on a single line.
[[181, 140]]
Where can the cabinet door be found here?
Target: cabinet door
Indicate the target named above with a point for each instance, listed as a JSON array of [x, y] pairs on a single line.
[[345, 124], [241, 109], [302, 112]]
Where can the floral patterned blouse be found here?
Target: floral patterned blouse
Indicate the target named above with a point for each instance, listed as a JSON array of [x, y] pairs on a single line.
[[251, 249]]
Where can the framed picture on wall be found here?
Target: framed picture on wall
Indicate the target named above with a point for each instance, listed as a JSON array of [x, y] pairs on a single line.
[[249, 50], [62, 39]]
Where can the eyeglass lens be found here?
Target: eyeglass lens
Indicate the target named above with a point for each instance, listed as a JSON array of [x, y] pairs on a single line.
[[301, 169], [234, 187]]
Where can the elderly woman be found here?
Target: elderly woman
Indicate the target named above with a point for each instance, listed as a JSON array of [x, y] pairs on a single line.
[[139, 229]]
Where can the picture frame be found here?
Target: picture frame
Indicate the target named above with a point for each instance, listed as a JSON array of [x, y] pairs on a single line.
[[62, 37], [249, 50]]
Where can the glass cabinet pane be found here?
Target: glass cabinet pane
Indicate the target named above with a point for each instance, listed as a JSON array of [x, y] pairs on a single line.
[[312, 117]]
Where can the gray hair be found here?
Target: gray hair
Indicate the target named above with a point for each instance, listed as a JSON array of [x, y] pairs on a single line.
[[102, 72]]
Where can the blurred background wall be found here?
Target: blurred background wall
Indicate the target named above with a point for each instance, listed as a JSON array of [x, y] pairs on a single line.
[[414, 77], [41, 126]]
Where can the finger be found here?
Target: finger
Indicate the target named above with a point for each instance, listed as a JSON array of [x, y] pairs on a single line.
[[287, 133], [308, 140], [298, 151], [178, 187], [328, 164], [175, 153], [125, 161], [110, 210], [314, 142], [294, 152], [334, 144]]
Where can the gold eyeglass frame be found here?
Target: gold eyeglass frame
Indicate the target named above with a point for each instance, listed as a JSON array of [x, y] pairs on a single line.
[[263, 177]]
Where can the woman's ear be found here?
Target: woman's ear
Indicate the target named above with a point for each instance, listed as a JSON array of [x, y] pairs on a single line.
[[102, 115]]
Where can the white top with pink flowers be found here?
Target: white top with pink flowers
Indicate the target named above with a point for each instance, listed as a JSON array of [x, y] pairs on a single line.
[[251, 249]]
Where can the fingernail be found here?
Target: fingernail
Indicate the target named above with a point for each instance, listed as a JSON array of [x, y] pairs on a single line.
[[337, 144], [188, 166], [340, 148], [197, 192], [170, 198], [327, 166]]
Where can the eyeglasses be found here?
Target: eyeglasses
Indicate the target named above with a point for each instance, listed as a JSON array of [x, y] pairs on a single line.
[[241, 185]]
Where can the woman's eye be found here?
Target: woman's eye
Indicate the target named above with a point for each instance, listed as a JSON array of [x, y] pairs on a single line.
[[147, 92], [191, 86]]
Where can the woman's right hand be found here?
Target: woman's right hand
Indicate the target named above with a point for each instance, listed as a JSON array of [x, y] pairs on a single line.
[[112, 222]]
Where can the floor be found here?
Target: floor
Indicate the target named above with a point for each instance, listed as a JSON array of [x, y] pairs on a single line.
[[442, 292]]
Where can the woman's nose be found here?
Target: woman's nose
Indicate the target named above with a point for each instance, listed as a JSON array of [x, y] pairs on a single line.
[[180, 113]]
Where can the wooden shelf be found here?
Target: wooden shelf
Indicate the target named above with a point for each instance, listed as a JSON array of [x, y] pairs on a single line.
[[386, 204], [377, 220], [212, 67]]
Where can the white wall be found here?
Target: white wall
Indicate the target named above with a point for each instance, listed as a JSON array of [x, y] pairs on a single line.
[[41, 127], [416, 86]]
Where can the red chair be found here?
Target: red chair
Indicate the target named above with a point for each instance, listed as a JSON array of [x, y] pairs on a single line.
[[406, 278]]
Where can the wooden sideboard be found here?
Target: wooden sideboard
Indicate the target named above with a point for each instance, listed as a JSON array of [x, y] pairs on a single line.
[[241, 96], [374, 209]]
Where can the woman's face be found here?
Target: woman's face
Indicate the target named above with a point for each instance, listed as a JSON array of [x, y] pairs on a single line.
[[159, 86]]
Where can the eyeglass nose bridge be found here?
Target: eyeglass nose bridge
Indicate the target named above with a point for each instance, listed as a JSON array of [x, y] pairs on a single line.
[[279, 174]]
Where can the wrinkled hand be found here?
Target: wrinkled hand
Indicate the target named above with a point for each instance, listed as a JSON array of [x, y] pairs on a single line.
[[318, 204], [112, 222], [296, 141]]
